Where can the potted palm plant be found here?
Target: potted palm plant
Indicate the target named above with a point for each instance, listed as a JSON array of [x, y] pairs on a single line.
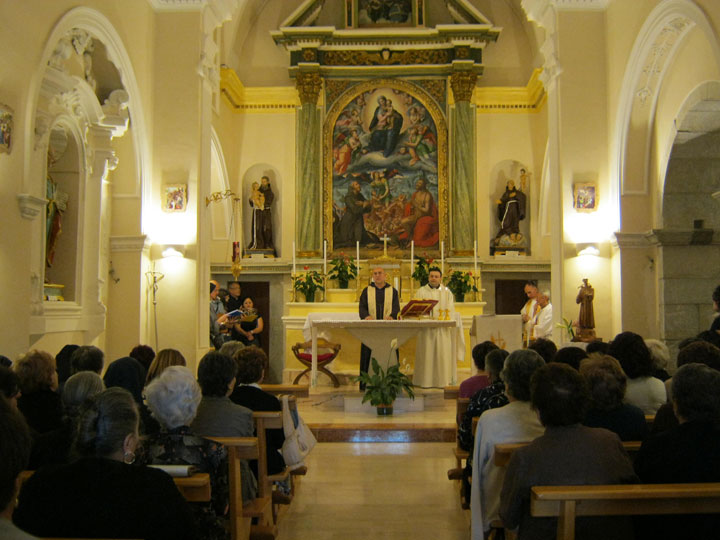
[[383, 386], [308, 283]]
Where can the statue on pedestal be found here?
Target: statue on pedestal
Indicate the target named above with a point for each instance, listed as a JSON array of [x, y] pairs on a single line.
[[586, 318]]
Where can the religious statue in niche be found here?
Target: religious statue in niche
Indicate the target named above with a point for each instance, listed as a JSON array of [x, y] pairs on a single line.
[[511, 208], [261, 200], [385, 172], [56, 207], [586, 318]]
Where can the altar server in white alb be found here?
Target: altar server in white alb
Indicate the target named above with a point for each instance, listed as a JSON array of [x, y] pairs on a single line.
[[542, 322], [435, 361]]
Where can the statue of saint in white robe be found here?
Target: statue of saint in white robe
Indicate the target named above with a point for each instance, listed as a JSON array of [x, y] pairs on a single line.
[[435, 361]]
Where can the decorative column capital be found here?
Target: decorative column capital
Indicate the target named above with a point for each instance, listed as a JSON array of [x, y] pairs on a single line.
[[463, 84], [309, 84]]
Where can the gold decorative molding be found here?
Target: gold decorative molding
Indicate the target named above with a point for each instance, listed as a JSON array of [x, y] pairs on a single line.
[[386, 57], [509, 99], [436, 88], [462, 84], [241, 99], [335, 87], [308, 85]]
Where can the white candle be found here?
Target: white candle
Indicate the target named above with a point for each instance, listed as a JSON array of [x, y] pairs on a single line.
[[442, 258], [443, 298], [294, 270], [357, 258], [476, 272], [412, 256], [325, 257]]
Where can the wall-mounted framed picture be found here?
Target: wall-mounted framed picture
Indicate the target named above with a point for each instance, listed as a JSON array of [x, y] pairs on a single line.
[[384, 13], [6, 128], [585, 197], [174, 197]]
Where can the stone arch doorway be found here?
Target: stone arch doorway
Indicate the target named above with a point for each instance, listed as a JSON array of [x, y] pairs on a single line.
[[690, 234]]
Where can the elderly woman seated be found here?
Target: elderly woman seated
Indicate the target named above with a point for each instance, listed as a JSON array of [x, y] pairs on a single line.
[[568, 453], [514, 422], [14, 448], [173, 399], [607, 382], [101, 495], [40, 403], [689, 452], [55, 446]]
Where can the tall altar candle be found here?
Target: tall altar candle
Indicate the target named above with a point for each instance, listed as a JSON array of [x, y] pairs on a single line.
[[357, 258], [396, 284], [412, 256], [476, 272], [294, 269], [442, 258], [325, 257]]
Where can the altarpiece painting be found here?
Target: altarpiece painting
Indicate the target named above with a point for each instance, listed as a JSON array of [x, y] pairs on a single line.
[[385, 169]]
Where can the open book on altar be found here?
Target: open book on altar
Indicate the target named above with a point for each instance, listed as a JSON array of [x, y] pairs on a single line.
[[417, 308]]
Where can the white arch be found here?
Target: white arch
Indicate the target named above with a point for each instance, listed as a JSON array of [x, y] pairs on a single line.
[[218, 160], [662, 17], [101, 28]]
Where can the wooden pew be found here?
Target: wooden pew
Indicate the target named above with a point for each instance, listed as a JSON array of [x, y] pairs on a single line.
[[503, 452], [461, 406], [195, 488], [568, 502], [451, 392], [239, 449], [292, 389]]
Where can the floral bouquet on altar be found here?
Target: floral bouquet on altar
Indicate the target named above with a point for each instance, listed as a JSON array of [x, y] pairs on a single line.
[[422, 269], [460, 283], [343, 269], [308, 283]]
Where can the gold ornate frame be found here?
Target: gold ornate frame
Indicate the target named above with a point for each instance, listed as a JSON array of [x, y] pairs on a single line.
[[442, 133]]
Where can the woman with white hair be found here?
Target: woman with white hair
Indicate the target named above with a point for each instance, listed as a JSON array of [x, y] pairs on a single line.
[[512, 423], [173, 398]]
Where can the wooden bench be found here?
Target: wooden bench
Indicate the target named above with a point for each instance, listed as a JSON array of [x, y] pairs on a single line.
[[503, 452], [293, 389], [239, 449], [195, 488], [451, 392], [568, 502]]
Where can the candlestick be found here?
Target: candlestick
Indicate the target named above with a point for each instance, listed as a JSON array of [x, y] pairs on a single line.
[[235, 251], [412, 257], [357, 258], [442, 258], [325, 257], [294, 269], [475, 258]]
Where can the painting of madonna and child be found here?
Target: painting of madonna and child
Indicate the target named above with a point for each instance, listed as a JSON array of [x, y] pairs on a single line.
[[385, 172]]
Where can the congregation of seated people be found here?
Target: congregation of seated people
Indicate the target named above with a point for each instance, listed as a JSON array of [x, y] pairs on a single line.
[[90, 440], [573, 409]]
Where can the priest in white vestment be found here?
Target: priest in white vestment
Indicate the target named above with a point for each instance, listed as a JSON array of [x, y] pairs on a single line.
[[542, 323], [530, 309], [435, 361]]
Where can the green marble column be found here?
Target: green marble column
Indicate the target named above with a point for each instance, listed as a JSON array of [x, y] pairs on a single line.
[[308, 183], [462, 181]]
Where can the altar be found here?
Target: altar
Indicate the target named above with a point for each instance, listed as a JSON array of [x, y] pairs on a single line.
[[383, 337]]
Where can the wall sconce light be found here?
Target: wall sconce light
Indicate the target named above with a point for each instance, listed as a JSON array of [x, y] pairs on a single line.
[[173, 251], [587, 249]]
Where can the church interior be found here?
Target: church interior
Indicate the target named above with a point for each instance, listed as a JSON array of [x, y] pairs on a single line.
[[150, 146]]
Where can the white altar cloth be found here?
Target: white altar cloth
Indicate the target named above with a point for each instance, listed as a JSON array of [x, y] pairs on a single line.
[[383, 337]]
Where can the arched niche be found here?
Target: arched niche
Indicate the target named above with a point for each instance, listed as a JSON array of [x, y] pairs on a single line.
[[501, 174], [253, 174]]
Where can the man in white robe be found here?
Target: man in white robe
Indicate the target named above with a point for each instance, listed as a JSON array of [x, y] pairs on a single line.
[[435, 361], [530, 309], [542, 323]]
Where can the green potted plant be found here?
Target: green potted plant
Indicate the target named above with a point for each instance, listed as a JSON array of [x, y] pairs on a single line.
[[460, 283], [308, 283], [343, 269], [567, 325], [382, 387], [422, 269]]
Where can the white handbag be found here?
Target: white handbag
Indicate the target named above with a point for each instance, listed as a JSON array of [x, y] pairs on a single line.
[[299, 440]]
